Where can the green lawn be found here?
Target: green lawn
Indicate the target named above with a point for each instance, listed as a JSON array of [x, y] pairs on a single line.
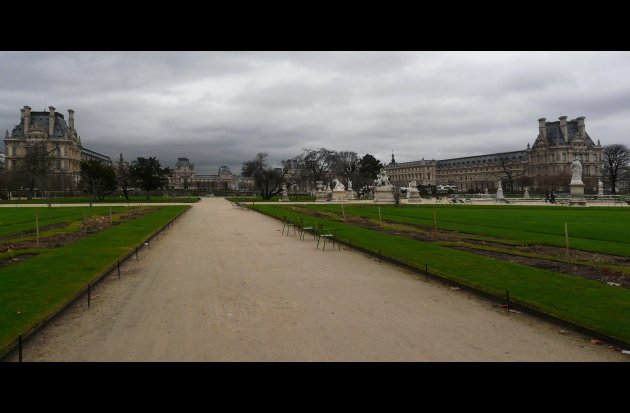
[[590, 304], [37, 287], [600, 229], [15, 220]]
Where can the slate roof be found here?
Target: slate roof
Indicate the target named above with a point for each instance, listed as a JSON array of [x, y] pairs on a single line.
[[61, 127], [554, 136], [408, 164], [481, 160]]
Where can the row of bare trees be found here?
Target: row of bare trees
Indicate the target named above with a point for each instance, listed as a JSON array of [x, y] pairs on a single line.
[[310, 166]]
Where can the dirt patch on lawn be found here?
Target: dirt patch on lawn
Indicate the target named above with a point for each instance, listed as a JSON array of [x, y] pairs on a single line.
[[605, 275]]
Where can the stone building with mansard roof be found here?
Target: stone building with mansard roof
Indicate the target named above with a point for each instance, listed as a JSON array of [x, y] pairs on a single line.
[[60, 140], [543, 166]]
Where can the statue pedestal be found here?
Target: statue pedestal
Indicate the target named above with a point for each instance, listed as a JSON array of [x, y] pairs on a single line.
[[383, 195], [285, 194], [339, 195], [350, 194], [413, 196], [600, 193], [577, 195], [500, 193], [321, 196]]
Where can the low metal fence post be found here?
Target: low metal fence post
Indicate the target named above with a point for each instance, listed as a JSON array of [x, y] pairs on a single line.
[[507, 294]]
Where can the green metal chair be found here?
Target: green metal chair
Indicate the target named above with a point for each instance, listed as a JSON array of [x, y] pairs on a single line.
[[287, 224], [303, 227], [327, 235]]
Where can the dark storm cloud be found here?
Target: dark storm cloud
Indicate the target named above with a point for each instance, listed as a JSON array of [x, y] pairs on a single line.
[[221, 108]]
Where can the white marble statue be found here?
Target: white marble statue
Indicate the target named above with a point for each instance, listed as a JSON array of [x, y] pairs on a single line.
[[382, 179], [338, 185], [600, 186], [349, 185], [576, 171], [500, 191]]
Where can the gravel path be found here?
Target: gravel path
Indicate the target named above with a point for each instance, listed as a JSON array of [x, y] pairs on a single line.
[[224, 285]]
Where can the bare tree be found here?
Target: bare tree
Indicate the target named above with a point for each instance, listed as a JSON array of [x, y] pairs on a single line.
[[510, 171], [616, 160], [344, 165], [267, 179], [35, 167], [316, 164]]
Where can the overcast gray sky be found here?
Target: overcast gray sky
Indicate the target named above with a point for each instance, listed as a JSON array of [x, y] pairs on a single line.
[[219, 108]]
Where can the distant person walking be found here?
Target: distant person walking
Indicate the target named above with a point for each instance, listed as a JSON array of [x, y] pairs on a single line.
[[546, 196], [552, 197]]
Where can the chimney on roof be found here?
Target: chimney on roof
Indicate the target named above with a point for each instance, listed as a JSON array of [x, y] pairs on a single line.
[[563, 128], [51, 121], [71, 118], [542, 128], [580, 125], [27, 118]]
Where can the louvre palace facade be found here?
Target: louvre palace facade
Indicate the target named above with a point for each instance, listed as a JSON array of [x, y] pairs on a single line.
[[545, 165], [185, 177]]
